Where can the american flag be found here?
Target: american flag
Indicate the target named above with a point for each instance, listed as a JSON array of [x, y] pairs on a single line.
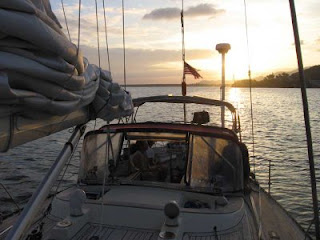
[[190, 70]]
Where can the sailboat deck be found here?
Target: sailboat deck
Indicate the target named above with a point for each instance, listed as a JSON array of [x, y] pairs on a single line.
[[123, 233], [212, 236], [108, 232], [276, 223]]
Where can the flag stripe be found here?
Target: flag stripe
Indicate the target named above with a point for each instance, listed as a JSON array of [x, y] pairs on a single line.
[[190, 70]]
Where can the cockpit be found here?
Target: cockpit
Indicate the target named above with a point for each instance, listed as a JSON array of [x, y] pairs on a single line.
[[165, 155]]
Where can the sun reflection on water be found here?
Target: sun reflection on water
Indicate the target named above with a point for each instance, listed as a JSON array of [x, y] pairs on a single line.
[[234, 96]]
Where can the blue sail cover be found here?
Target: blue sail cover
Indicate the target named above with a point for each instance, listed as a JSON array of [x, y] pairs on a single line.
[[42, 73]]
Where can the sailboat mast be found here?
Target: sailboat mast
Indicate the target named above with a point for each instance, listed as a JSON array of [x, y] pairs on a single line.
[[306, 118]]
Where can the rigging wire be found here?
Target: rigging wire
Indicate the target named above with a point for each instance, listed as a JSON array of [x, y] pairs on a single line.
[[65, 19], [108, 148], [98, 39], [182, 32], [98, 46], [124, 49], [11, 198], [104, 179], [251, 115], [250, 87], [48, 210], [303, 86], [106, 35], [65, 170]]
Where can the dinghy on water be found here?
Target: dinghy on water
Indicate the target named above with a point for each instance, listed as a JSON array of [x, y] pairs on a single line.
[[145, 180]]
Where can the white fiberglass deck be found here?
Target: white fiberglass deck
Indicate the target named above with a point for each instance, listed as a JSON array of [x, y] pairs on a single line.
[[122, 233], [108, 232]]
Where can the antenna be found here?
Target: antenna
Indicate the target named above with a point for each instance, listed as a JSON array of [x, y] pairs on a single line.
[[223, 48]]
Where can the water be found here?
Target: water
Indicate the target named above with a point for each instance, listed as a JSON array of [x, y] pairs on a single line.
[[279, 137]]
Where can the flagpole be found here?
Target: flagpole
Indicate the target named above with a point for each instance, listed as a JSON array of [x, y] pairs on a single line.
[[183, 84], [187, 69]]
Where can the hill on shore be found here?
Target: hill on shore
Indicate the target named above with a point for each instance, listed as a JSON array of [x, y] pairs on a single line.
[[284, 80]]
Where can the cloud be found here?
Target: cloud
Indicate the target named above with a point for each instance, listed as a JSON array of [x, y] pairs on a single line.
[[145, 65], [88, 26], [199, 10], [204, 9], [163, 13]]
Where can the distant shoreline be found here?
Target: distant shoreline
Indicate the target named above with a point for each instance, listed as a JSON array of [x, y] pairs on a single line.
[[172, 85], [279, 80], [200, 85]]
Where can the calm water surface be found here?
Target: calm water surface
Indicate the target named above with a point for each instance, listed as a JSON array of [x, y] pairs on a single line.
[[279, 137]]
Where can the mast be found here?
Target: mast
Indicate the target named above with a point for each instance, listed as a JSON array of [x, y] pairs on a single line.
[[306, 118], [223, 48]]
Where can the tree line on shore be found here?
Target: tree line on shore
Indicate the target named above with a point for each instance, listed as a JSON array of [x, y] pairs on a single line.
[[284, 80]]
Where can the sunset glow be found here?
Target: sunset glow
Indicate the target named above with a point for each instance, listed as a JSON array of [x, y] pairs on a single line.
[[153, 37]]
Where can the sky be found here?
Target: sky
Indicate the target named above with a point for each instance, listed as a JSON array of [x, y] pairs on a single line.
[[153, 37]]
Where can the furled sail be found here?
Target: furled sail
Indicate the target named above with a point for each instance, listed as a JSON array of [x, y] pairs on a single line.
[[43, 76]]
